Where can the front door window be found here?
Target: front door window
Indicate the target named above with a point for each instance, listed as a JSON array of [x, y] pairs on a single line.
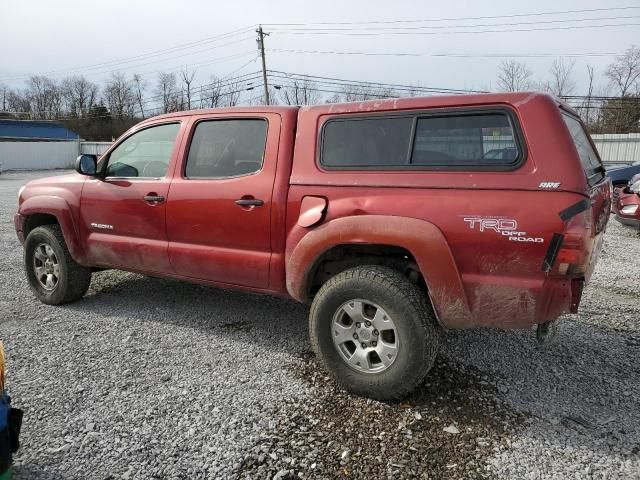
[[144, 154]]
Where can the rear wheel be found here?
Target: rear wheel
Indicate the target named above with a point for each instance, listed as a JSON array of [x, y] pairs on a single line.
[[53, 275], [374, 332]]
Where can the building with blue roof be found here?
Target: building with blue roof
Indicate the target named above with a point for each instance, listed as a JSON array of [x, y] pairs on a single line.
[[34, 131], [37, 145]]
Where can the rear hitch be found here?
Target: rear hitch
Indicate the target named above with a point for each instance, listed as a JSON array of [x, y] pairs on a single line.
[[547, 333]]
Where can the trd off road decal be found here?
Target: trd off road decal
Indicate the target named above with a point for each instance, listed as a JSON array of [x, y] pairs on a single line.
[[507, 227]]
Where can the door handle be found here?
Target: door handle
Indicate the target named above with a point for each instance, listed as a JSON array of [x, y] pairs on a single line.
[[153, 198], [249, 202]]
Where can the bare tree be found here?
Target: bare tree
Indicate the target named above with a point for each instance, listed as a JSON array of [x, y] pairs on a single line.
[[302, 92], [44, 96], [231, 93], [514, 76], [625, 71], [260, 98], [166, 89], [187, 80], [139, 86], [119, 95], [561, 82], [587, 107], [210, 93], [17, 101], [79, 95]]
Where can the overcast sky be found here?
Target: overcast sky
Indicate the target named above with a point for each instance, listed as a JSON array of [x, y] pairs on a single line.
[[68, 36]]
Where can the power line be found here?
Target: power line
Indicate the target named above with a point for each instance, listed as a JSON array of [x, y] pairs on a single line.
[[175, 69], [437, 27], [369, 34], [381, 22], [374, 95], [129, 67], [225, 82], [353, 88], [222, 82], [113, 63], [415, 88], [247, 79], [454, 55], [596, 97], [241, 67], [369, 83]]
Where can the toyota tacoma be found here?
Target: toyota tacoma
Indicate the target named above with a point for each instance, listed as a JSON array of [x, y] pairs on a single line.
[[394, 219]]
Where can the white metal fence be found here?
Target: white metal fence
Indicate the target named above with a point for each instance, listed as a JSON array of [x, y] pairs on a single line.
[[94, 148], [618, 148]]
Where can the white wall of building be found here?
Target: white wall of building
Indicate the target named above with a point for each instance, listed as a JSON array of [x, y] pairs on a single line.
[[38, 155]]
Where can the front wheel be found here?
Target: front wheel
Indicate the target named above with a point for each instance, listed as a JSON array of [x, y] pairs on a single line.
[[53, 275], [374, 331]]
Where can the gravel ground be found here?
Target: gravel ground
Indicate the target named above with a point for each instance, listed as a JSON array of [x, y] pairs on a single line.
[[149, 378]]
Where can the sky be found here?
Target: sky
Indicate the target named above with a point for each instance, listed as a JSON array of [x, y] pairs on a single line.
[[65, 37]]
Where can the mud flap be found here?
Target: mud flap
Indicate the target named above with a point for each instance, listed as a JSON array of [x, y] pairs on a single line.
[[547, 333]]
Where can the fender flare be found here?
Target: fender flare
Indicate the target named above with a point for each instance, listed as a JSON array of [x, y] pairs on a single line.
[[424, 240], [59, 208]]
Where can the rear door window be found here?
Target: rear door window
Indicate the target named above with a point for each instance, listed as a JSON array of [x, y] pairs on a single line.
[[465, 140], [226, 148], [591, 163]]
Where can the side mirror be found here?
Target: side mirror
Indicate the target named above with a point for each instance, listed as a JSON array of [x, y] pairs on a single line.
[[87, 165]]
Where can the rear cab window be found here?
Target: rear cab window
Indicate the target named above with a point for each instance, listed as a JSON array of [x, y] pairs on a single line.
[[591, 163], [461, 140]]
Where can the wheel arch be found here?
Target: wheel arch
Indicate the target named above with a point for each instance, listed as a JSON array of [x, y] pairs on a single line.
[[46, 210], [423, 241], [341, 257]]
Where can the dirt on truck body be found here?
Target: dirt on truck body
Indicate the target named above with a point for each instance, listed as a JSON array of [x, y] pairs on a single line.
[[396, 219]]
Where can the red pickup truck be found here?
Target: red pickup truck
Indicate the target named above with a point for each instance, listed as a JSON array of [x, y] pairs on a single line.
[[395, 219]]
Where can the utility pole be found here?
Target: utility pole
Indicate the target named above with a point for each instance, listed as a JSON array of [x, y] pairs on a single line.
[[260, 41]]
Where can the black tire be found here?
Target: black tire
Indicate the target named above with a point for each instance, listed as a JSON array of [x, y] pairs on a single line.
[[418, 332], [72, 279]]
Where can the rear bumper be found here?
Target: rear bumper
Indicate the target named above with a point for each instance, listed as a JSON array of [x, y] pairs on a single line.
[[18, 221], [520, 304]]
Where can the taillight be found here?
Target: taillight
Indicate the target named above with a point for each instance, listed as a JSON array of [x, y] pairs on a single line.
[[629, 210], [573, 254]]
